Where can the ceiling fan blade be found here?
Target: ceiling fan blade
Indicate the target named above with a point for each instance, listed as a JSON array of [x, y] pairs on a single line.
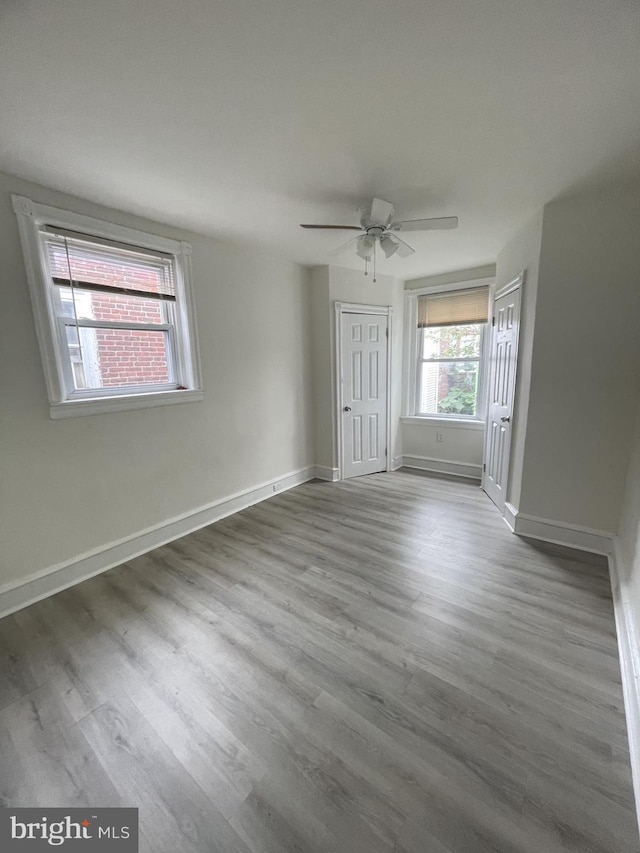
[[404, 249], [439, 223], [381, 211], [343, 247], [335, 227]]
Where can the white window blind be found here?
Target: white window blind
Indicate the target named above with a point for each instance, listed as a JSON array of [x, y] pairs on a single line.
[[454, 308], [91, 263]]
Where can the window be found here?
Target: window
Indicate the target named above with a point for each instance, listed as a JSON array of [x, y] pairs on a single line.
[[113, 310], [447, 353]]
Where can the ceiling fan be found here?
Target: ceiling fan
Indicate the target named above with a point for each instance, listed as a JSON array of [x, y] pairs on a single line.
[[377, 227]]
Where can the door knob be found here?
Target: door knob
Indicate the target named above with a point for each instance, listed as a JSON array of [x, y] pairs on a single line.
[[505, 420], [347, 408]]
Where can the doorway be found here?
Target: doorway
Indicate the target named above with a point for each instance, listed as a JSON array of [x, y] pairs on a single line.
[[363, 365]]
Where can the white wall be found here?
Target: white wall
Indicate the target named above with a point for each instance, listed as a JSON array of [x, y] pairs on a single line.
[[70, 486], [585, 363], [628, 544], [470, 274], [322, 359], [460, 444], [349, 285], [626, 579], [522, 252]]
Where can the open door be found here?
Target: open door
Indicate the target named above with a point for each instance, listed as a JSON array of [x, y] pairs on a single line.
[[502, 390]]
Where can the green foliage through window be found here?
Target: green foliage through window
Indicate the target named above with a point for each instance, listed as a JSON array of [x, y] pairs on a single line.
[[449, 370]]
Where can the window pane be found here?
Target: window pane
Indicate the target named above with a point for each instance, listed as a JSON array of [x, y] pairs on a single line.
[[449, 388], [84, 261], [451, 341], [77, 368], [113, 358], [92, 305]]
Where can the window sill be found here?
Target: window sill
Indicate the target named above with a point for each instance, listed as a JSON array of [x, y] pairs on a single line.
[[124, 403], [456, 423]]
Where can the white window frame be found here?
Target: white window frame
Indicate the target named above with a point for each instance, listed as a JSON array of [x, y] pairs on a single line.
[[64, 400], [411, 352]]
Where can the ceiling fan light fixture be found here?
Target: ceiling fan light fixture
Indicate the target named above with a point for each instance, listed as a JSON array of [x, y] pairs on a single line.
[[388, 245], [365, 247]]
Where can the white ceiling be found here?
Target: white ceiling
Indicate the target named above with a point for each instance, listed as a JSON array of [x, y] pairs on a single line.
[[247, 117]]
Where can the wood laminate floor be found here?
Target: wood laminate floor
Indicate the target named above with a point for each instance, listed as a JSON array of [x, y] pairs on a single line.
[[371, 666]]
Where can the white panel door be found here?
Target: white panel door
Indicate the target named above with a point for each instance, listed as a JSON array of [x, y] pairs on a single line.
[[364, 394], [502, 389]]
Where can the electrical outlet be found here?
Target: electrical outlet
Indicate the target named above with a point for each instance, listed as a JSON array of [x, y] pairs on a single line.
[[439, 436]]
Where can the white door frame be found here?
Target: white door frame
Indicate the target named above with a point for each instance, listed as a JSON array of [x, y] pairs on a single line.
[[504, 290], [353, 308]]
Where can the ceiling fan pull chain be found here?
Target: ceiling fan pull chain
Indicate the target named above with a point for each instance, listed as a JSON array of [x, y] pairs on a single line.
[[374, 263], [365, 266]]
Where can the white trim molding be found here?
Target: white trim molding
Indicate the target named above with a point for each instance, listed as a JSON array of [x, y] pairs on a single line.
[[509, 286], [442, 423], [65, 400], [443, 466], [629, 654], [558, 532], [510, 515], [324, 472], [601, 542], [341, 308], [19, 594], [466, 284], [410, 353], [123, 404]]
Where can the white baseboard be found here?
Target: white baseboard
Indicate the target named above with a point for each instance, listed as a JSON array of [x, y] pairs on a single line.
[[324, 472], [629, 652], [396, 462], [443, 466], [559, 533], [42, 584], [510, 516]]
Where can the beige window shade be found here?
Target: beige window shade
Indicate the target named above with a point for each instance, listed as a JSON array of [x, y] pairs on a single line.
[[454, 308]]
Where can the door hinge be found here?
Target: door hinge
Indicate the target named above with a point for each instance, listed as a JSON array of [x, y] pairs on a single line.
[[387, 332], [493, 321], [484, 467]]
